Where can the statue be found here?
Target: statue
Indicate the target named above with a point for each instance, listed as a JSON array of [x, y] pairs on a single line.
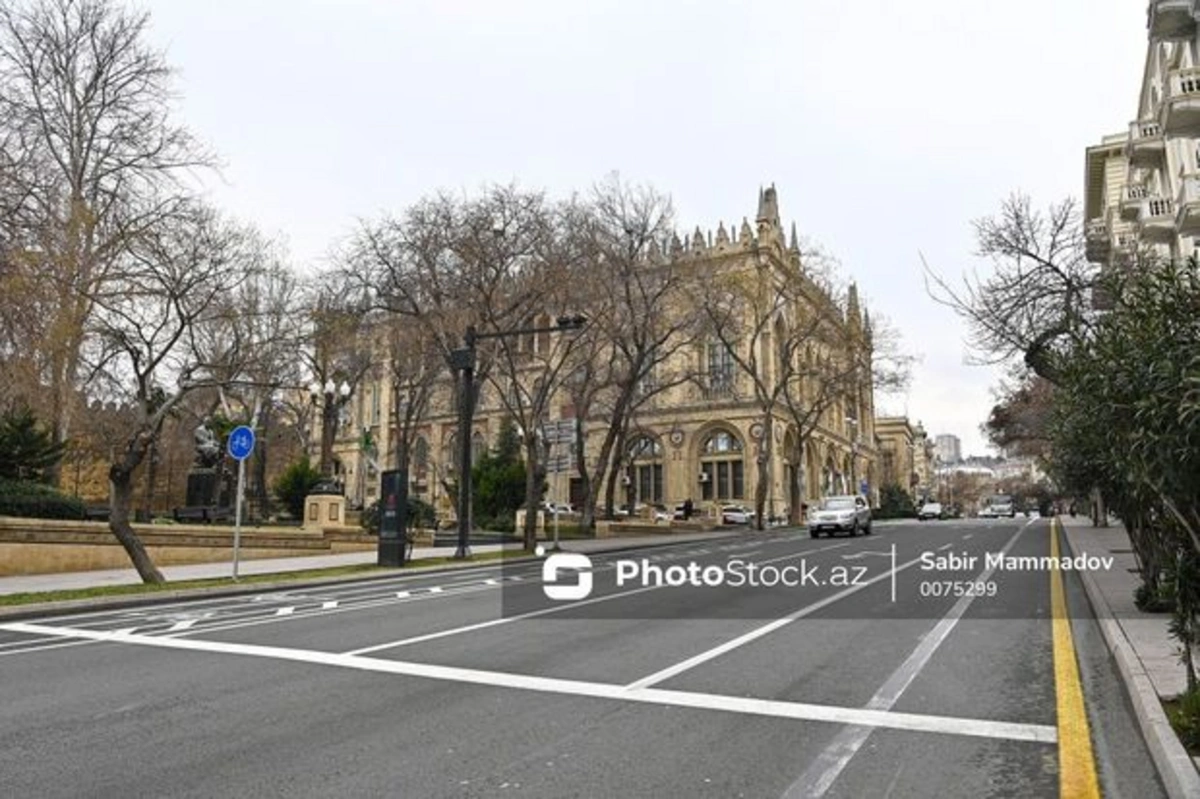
[[208, 449]]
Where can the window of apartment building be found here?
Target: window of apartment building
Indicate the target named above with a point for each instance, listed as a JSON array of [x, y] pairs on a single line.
[[645, 475], [722, 467], [376, 404]]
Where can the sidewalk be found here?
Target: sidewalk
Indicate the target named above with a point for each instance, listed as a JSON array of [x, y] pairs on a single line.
[[1146, 655], [37, 583]]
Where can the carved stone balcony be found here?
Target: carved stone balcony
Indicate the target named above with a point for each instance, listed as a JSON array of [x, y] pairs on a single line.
[[1180, 113], [1157, 219], [1146, 147], [1187, 214], [1133, 196]]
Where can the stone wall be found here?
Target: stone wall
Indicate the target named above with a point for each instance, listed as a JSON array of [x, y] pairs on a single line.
[[46, 546]]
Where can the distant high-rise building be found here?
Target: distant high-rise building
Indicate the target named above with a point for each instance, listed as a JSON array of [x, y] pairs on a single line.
[[949, 448]]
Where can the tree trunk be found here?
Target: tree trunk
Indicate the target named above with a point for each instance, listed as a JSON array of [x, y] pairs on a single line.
[[120, 502], [532, 494], [610, 488]]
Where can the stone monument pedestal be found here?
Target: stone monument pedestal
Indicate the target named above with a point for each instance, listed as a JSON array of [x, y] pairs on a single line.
[[324, 510]]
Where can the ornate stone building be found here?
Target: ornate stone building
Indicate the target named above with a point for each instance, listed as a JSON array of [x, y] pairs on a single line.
[[906, 455], [703, 439]]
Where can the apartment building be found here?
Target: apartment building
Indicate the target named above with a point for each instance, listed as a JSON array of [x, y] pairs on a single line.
[[1142, 186], [703, 439]]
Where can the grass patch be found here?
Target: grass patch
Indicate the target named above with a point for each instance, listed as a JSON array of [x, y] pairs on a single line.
[[140, 589], [1184, 714]]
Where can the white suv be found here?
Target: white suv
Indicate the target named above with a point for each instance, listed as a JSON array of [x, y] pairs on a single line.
[[848, 513]]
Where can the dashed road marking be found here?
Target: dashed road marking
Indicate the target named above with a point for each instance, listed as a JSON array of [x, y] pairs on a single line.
[[288, 611]]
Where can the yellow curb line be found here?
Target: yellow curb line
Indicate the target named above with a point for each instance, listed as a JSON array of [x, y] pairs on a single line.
[[1076, 761]]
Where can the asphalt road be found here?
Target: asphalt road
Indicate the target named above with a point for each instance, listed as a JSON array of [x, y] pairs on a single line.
[[864, 681]]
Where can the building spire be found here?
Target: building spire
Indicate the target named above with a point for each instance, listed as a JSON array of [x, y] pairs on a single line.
[[768, 206], [794, 243]]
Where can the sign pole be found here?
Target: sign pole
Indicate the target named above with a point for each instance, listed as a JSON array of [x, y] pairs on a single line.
[[240, 445], [237, 527], [557, 505]]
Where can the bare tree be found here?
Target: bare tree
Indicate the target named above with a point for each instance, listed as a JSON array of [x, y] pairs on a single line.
[[91, 159], [1036, 302], [637, 332], [146, 333]]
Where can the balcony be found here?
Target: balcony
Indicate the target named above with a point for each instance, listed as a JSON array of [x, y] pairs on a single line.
[[1180, 114], [1132, 198], [1171, 19], [1157, 219], [1099, 241], [1187, 215], [1146, 147]]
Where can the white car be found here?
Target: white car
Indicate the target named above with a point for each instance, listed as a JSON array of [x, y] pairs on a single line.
[[930, 510], [736, 514]]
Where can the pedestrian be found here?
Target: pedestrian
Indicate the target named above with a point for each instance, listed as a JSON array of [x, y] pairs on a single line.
[[688, 507]]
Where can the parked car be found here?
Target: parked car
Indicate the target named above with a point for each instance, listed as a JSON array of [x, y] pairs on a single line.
[[662, 513], [736, 514], [930, 510], [559, 508], [834, 514]]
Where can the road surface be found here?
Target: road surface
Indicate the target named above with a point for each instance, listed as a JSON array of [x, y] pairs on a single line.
[[879, 674]]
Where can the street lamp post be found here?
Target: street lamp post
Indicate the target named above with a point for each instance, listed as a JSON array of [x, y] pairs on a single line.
[[463, 360], [853, 423], [329, 398]]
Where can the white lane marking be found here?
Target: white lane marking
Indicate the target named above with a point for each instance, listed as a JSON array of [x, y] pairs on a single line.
[[182, 625], [44, 647], [403, 594], [820, 775], [766, 629], [329, 605], [288, 611], [701, 701], [968, 536], [944, 547], [483, 625], [125, 631], [437, 589], [491, 582]]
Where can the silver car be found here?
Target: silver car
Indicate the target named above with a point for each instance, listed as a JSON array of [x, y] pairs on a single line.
[[834, 514]]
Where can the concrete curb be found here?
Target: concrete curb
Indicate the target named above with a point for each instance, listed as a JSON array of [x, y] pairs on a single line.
[[1174, 765], [121, 602]]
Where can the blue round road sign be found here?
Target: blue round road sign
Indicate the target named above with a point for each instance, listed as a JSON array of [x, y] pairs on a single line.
[[241, 442]]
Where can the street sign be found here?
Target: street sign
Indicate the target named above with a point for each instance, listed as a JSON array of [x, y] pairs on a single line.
[[556, 464], [559, 432], [241, 442], [240, 445]]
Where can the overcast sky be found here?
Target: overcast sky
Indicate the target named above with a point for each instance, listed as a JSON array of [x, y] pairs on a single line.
[[886, 126]]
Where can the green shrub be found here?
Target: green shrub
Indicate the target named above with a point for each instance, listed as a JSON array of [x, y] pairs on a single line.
[[420, 514], [1184, 714], [30, 500], [294, 484], [27, 452]]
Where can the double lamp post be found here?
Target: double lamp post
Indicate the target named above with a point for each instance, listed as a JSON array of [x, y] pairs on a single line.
[[463, 360]]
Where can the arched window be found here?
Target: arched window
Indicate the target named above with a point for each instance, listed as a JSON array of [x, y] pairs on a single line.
[[722, 469], [450, 459], [478, 447], [644, 477]]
